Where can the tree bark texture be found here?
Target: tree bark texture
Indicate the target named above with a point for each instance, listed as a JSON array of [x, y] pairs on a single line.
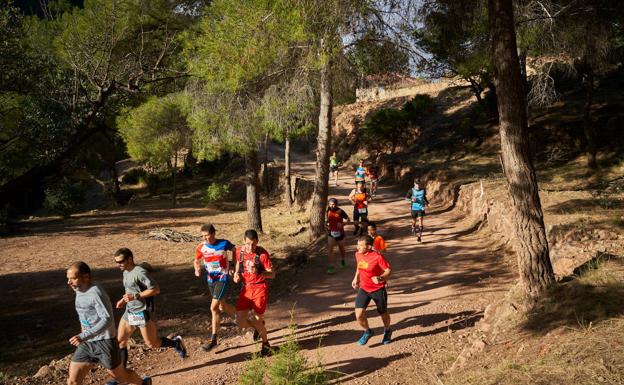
[[319, 199], [287, 181], [531, 245], [174, 174], [252, 181], [588, 127], [265, 174]]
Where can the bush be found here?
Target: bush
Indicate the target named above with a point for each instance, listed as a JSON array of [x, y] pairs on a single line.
[[134, 176], [421, 105], [385, 129], [64, 197], [215, 192], [289, 367]]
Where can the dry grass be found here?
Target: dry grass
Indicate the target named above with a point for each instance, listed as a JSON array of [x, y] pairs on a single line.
[[574, 336]]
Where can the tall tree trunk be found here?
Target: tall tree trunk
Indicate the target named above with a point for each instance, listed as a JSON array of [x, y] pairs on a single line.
[[319, 200], [588, 127], [531, 246], [174, 174], [265, 174], [288, 186], [252, 180]]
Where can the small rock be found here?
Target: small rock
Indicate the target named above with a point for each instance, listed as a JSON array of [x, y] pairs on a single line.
[[43, 371]]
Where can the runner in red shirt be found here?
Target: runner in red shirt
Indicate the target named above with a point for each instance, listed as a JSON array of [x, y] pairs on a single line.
[[372, 273], [335, 226], [253, 267]]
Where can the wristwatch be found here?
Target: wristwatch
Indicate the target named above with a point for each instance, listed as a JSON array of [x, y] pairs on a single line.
[[137, 296]]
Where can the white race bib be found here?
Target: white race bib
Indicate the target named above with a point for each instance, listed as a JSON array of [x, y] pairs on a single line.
[[335, 234], [363, 210], [136, 319], [213, 266]]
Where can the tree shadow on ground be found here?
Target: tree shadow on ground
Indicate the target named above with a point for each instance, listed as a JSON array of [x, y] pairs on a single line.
[[350, 369]]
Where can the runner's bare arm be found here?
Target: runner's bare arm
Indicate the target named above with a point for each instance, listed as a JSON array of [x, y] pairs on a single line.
[[197, 266], [151, 292], [236, 277], [354, 283], [268, 274], [351, 195], [384, 276]]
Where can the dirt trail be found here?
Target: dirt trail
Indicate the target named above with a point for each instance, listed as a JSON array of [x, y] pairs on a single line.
[[438, 290]]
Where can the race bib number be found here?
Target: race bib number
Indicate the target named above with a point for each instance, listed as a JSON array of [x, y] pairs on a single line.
[[363, 210], [136, 319], [335, 234], [213, 266]]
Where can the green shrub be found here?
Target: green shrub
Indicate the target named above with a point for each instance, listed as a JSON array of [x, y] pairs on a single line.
[[288, 367], [64, 197], [134, 176], [386, 128], [215, 192], [420, 106]]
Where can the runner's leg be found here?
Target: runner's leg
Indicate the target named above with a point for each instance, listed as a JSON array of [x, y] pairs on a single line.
[[342, 250], [150, 335], [331, 243], [360, 316], [77, 372], [124, 332], [216, 316], [385, 317], [256, 320], [122, 374], [227, 308]]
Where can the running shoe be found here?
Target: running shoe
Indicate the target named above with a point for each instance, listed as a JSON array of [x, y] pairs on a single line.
[[343, 263], [331, 270], [146, 380], [180, 348], [209, 346], [112, 382], [365, 337], [419, 240], [387, 337], [265, 350]]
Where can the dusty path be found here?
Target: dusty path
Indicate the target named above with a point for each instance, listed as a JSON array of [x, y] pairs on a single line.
[[438, 288]]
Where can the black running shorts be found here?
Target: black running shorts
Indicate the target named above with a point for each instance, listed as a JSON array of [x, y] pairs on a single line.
[[418, 214], [218, 289], [363, 298]]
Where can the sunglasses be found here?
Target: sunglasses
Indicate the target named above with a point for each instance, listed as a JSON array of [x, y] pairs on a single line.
[[120, 262]]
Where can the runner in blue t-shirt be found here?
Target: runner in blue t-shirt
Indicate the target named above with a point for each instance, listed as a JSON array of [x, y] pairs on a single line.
[[417, 195], [212, 256], [361, 172]]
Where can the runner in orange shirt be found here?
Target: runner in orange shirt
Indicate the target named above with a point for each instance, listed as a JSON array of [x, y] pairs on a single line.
[[360, 197], [379, 244], [371, 275]]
